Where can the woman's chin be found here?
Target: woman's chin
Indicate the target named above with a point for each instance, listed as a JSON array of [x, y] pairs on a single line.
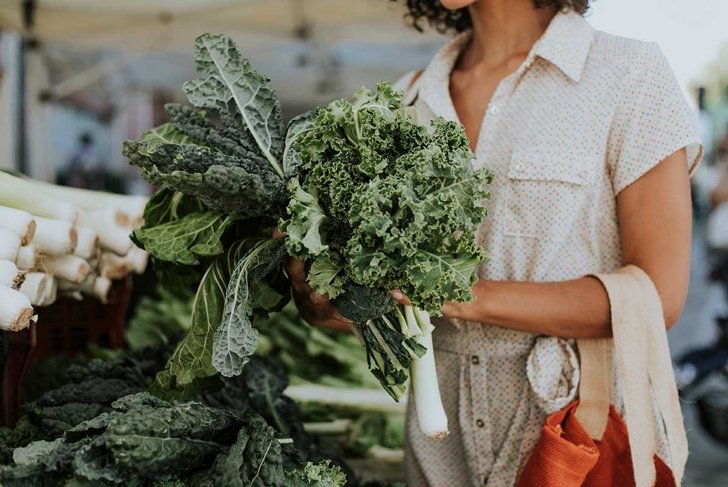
[[456, 4]]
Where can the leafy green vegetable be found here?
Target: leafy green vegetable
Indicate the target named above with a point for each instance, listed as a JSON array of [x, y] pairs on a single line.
[[379, 203], [370, 197], [185, 240], [192, 358], [142, 440], [322, 474], [235, 338], [159, 319]]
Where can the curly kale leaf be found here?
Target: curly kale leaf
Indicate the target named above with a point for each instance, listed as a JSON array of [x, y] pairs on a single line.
[[392, 204], [322, 474]]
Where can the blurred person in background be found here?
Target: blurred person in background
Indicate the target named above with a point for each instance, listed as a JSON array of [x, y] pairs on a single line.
[[592, 143], [717, 225], [83, 169]]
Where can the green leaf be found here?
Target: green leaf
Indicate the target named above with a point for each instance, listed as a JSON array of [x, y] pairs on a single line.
[[297, 127], [185, 240], [166, 206], [234, 87], [164, 134], [236, 339], [326, 277], [303, 228], [192, 359]]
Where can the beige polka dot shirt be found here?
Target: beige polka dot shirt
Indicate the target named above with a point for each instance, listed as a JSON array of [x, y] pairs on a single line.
[[584, 116]]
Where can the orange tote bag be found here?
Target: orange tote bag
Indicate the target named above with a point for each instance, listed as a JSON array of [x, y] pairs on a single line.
[[588, 444], [566, 456]]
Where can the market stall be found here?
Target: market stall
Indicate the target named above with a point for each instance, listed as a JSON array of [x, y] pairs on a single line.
[[92, 334]]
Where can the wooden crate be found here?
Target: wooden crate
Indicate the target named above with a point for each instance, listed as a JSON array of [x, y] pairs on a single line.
[[68, 326]]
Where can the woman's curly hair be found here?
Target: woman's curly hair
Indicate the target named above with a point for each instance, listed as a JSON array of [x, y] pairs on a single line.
[[444, 20]]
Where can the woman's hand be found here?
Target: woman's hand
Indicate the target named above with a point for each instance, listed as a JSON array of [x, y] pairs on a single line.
[[450, 309], [317, 309]]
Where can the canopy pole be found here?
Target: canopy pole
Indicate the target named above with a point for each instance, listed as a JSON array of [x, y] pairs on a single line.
[[27, 40]]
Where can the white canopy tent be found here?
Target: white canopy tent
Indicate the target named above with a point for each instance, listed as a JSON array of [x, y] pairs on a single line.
[[313, 50], [300, 44]]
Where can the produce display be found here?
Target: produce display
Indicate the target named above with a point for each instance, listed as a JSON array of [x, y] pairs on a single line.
[[56, 240], [100, 428], [372, 199]]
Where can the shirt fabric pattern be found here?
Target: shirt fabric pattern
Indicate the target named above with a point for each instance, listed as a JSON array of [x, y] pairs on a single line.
[[584, 116]]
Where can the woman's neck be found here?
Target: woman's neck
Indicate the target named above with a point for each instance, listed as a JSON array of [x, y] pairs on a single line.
[[503, 29]]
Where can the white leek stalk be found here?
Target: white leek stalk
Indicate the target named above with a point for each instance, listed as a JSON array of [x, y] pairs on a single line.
[[69, 267], [129, 207], [87, 242], [113, 266], [10, 275], [100, 288], [28, 257], [9, 245], [112, 236], [25, 195], [138, 260], [16, 312], [55, 237], [431, 415], [51, 294], [93, 285], [39, 287], [20, 222]]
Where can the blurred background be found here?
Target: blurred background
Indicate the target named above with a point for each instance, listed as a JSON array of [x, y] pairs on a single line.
[[78, 77]]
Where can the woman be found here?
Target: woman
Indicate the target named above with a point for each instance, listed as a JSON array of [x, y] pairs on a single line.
[[592, 144]]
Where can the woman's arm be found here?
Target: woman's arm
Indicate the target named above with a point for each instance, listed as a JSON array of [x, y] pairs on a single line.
[[655, 221]]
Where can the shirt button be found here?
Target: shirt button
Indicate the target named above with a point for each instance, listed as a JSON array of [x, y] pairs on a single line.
[[519, 167], [474, 360], [494, 110], [479, 423]]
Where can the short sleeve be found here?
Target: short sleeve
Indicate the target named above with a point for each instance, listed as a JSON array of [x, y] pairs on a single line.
[[652, 120]]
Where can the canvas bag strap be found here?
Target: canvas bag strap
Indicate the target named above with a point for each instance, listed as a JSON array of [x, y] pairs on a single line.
[[643, 365]]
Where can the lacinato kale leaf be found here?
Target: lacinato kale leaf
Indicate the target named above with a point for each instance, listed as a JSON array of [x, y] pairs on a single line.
[[235, 338]]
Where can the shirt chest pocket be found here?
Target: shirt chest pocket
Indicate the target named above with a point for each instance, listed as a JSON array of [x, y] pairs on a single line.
[[548, 191]]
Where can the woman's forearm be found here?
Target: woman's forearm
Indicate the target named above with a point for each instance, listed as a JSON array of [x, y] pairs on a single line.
[[573, 309]]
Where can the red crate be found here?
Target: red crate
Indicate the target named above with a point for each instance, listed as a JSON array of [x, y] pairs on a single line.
[[67, 327], [20, 351]]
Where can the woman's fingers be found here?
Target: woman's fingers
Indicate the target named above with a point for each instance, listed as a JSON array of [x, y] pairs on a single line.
[[296, 270], [400, 298], [317, 298]]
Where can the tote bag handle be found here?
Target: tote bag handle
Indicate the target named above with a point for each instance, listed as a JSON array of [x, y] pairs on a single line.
[[644, 369]]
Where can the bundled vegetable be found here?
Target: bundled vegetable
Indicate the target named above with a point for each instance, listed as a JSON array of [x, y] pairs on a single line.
[[380, 203], [73, 238], [371, 198], [16, 313]]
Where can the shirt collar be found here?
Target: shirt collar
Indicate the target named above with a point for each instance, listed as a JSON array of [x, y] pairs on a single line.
[[565, 44]]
